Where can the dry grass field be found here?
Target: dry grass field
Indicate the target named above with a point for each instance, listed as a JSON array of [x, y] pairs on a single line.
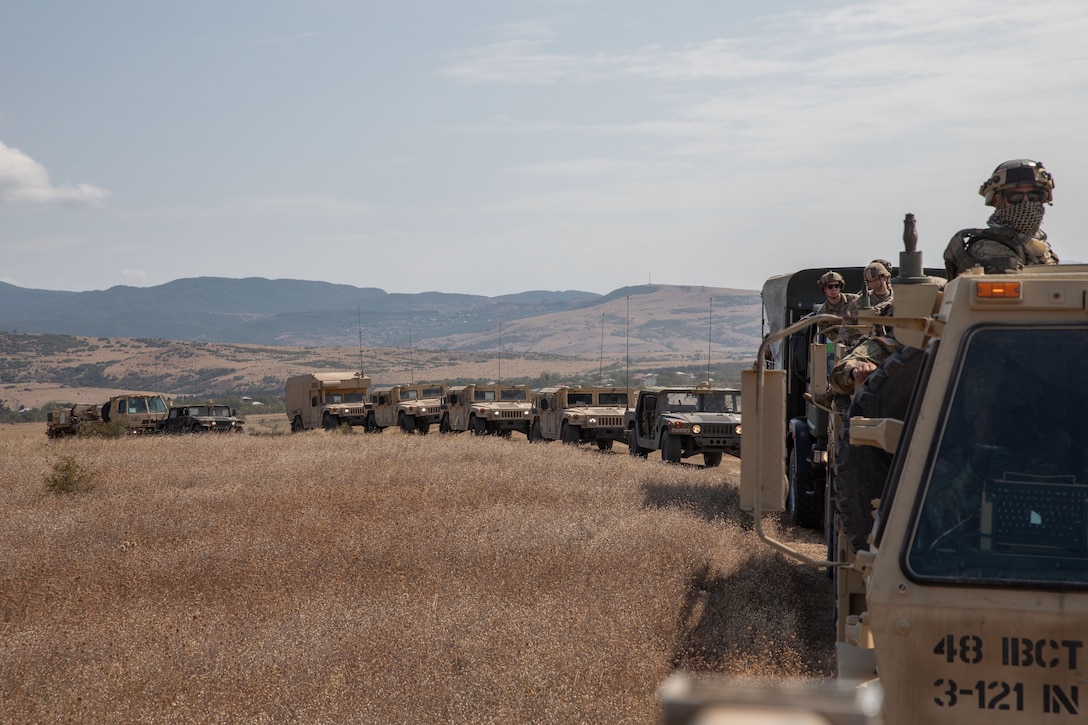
[[331, 578]]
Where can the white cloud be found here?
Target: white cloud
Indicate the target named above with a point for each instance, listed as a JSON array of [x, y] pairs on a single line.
[[134, 275], [25, 181]]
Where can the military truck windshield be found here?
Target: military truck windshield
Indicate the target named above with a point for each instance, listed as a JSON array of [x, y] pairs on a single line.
[[680, 402], [432, 392], [221, 410], [483, 395], [514, 395], [579, 398], [614, 399], [339, 398], [1006, 493], [409, 394], [719, 402]]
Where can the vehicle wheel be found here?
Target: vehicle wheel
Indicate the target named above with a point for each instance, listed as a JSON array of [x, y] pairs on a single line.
[[861, 470], [330, 422], [569, 434], [196, 428], [633, 447], [478, 426], [604, 445], [371, 424], [444, 426], [504, 433], [423, 427], [535, 436], [407, 423], [670, 448], [804, 505], [712, 460], [296, 424]]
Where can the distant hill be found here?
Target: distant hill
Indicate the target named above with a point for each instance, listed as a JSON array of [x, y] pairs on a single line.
[[285, 312]]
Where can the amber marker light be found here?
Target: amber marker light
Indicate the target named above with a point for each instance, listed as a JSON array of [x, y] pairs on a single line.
[[998, 290]]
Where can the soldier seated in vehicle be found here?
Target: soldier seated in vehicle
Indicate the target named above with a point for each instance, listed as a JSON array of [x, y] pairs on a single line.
[[875, 345]]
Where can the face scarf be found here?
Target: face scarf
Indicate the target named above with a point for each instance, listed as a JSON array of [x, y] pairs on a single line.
[[1024, 219]]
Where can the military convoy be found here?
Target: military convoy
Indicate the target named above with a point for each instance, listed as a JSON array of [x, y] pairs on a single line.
[[131, 412], [488, 409], [958, 500], [412, 408], [327, 400], [576, 415], [685, 421]]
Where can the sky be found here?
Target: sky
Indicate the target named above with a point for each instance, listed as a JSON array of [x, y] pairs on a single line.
[[492, 147]]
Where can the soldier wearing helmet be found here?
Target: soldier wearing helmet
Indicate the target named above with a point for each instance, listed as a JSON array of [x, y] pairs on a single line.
[[1018, 190], [831, 284], [878, 277]]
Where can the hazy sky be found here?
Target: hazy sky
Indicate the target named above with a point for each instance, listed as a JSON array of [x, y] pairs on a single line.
[[492, 147]]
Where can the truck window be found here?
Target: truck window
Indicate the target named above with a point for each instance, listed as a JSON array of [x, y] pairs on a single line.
[[677, 402], [137, 405], [719, 403], [355, 397], [1006, 492], [409, 394], [579, 399], [514, 395], [614, 399], [484, 395], [433, 392], [156, 405]]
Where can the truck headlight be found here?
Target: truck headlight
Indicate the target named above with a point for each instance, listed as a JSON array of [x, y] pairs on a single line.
[[738, 430], [592, 421], [696, 429]]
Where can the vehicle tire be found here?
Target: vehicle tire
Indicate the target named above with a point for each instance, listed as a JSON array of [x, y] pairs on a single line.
[[535, 436], [444, 426], [633, 447], [196, 428], [569, 434], [861, 470], [423, 427], [372, 424], [605, 445], [712, 460], [330, 422], [296, 424], [478, 426], [804, 505], [407, 423], [670, 448]]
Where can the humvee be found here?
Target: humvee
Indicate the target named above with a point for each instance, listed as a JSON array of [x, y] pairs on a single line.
[[580, 415], [327, 400], [488, 409], [685, 421], [134, 412], [203, 418], [412, 408], [960, 563]]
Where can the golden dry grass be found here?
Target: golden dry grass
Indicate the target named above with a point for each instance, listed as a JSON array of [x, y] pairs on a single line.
[[323, 577]]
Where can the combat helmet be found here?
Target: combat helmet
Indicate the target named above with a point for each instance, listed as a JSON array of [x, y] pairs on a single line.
[[830, 276], [1017, 172]]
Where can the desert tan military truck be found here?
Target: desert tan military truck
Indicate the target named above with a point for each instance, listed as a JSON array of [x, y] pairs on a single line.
[[412, 408], [327, 400], [685, 421], [488, 409], [961, 564], [133, 412], [576, 415]]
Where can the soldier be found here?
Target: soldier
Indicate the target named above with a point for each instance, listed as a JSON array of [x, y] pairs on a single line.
[[1017, 190], [831, 284], [878, 281]]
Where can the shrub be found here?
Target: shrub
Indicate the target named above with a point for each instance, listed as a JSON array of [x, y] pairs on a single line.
[[69, 476]]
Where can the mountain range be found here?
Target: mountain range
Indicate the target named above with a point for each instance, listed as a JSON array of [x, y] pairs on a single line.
[[642, 319]]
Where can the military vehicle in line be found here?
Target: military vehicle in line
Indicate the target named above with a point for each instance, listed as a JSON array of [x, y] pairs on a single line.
[[132, 412], [412, 408], [488, 409], [960, 563], [576, 415], [203, 419], [685, 421], [327, 400], [806, 358]]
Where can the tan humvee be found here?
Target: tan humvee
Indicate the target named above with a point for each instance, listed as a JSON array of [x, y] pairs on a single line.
[[488, 409], [580, 415], [412, 408]]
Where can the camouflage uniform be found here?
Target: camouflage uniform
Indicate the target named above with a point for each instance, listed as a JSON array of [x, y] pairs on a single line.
[[869, 350], [850, 335], [830, 329]]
